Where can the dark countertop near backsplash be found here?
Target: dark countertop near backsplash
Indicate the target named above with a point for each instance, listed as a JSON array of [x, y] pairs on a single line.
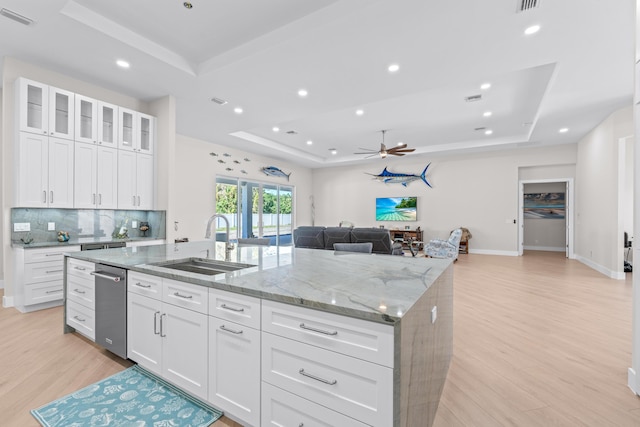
[[81, 241]]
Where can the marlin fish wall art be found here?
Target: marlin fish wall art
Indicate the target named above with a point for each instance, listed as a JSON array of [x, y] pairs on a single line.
[[401, 178], [274, 171]]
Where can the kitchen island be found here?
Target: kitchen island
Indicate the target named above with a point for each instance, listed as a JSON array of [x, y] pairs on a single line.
[[355, 338]]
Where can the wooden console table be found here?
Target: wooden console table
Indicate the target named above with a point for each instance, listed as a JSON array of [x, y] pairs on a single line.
[[406, 236]]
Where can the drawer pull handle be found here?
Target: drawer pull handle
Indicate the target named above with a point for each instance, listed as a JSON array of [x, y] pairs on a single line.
[[313, 377], [155, 323], [53, 271], [140, 285], [162, 334], [226, 307], [179, 295], [80, 268], [79, 319], [54, 292], [56, 254], [309, 328], [233, 331], [79, 291]]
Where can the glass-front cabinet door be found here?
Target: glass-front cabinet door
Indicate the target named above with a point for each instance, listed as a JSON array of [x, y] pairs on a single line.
[[127, 129], [86, 119], [107, 124], [34, 106], [146, 130], [61, 113]]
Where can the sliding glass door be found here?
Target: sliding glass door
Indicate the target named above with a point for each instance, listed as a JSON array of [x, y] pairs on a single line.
[[261, 209]]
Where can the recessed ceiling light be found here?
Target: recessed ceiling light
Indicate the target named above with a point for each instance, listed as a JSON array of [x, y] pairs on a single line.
[[309, 142], [487, 114], [393, 68], [359, 112], [302, 93], [532, 30], [122, 63], [275, 129], [564, 130], [238, 110], [333, 151], [485, 86], [488, 132]]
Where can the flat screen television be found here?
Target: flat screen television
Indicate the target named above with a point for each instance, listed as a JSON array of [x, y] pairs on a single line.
[[396, 209]]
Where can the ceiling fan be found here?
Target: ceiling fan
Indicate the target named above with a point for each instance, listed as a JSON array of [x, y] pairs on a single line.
[[398, 150]]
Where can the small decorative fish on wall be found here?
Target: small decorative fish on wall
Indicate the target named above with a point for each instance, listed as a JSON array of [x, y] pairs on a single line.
[[237, 162], [246, 159], [274, 171], [226, 154], [221, 161], [213, 154], [228, 169], [243, 171], [401, 178]]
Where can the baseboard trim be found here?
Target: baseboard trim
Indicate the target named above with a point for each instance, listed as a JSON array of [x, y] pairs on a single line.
[[7, 302], [545, 248], [632, 381], [492, 252], [601, 269]]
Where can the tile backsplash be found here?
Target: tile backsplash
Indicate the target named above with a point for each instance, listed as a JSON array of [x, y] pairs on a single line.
[[85, 223]]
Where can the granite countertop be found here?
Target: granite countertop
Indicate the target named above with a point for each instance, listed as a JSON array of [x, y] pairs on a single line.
[[80, 241], [374, 287]]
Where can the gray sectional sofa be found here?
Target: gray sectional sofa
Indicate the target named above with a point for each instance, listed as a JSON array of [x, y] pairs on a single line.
[[314, 237]]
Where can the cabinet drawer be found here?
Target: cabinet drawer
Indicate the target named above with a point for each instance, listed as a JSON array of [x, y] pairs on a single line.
[[82, 319], [81, 291], [280, 408], [187, 295], [48, 254], [37, 293], [43, 272], [354, 337], [353, 387], [235, 307], [144, 284], [81, 269]]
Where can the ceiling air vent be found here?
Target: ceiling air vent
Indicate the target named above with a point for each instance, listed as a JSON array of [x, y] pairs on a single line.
[[479, 129], [218, 101], [524, 5], [473, 98], [15, 16], [292, 132]]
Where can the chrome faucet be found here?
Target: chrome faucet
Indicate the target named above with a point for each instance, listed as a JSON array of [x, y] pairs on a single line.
[[228, 246]]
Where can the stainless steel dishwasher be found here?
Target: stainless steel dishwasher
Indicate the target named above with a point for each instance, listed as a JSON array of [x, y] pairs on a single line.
[[111, 308]]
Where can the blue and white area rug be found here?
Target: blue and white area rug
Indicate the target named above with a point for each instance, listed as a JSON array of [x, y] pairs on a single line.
[[131, 398]]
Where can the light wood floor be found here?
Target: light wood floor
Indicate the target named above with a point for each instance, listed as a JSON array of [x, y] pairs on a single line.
[[538, 341]]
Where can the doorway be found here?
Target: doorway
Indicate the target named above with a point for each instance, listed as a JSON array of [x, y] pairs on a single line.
[[546, 216]]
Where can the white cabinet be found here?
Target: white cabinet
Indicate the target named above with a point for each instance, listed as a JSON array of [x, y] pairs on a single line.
[[107, 124], [234, 355], [44, 171], [168, 339], [333, 361], [44, 110], [136, 131], [95, 177], [80, 313], [38, 277], [86, 123], [135, 181]]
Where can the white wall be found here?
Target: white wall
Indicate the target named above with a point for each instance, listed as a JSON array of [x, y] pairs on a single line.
[[478, 191], [599, 230], [195, 177]]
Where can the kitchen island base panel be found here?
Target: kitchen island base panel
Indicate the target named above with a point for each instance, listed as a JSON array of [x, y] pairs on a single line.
[[424, 349]]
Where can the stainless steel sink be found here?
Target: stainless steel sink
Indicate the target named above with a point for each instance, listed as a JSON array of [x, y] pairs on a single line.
[[204, 266]]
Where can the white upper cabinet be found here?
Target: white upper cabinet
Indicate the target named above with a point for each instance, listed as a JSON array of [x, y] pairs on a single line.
[[86, 119], [107, 124], [44, 109], [95, 177], [136, 131], [135, 181]]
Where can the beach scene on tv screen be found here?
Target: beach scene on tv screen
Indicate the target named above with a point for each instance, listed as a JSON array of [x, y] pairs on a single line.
[[396, 209]]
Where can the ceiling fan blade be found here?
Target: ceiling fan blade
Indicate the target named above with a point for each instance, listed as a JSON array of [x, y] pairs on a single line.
[[404, 150], [373, 155], [368, 152], [400, 146], [395, 153]]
